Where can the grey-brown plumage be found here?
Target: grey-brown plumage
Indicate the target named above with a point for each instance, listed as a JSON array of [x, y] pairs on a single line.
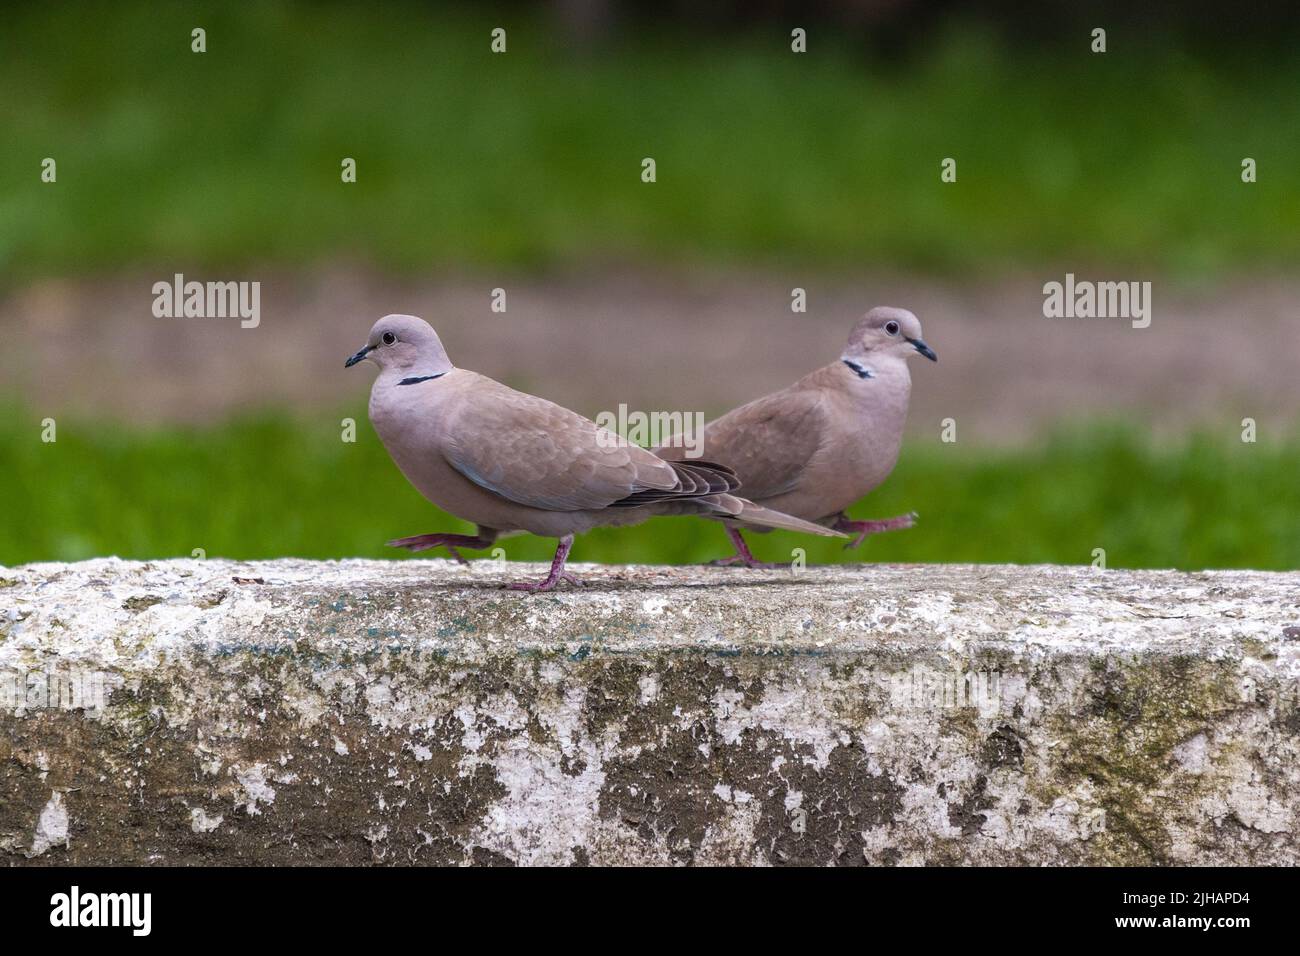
[[815, 448], [509, 461]]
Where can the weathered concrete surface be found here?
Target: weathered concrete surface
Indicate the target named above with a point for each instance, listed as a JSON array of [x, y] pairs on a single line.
[[412, 712]]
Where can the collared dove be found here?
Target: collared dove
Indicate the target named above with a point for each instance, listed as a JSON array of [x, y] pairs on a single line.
[[508, 461], [815, 448]]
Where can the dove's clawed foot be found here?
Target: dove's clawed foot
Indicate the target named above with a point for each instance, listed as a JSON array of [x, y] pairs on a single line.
[[864, 528], [423, 542], [744, 556], [557, 574]]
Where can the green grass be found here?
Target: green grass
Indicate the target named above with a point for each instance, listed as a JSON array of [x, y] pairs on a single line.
[[270, 487], [171, 159]]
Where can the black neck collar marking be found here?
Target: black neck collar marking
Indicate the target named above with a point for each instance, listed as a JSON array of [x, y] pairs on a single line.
[[417, 379], [861, 371]]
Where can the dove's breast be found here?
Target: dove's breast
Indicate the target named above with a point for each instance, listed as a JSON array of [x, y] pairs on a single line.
[[859, 448], [879, 412], [409, 423]]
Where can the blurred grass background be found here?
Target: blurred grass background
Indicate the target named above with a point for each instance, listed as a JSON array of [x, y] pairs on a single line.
[[531, 161], [269, 486], [532, 158]]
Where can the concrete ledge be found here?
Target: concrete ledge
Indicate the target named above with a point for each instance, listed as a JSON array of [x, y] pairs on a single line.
[[411, 712]]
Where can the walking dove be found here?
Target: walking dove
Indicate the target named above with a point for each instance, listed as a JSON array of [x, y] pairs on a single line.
[[815, 448], [508, 461]]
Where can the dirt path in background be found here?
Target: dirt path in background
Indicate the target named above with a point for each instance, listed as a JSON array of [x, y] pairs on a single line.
[[661, 341]]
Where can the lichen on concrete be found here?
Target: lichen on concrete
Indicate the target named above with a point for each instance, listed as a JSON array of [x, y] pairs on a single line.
[[413, 712]]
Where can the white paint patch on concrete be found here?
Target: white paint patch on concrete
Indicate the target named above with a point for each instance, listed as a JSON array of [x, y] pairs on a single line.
[[788, 709], [51, 827], [1257, 808], [562, 716], [654, 606], [200, 822], [649, 687], [545, 812], [254, 788], [1192, 753], [474, 736]]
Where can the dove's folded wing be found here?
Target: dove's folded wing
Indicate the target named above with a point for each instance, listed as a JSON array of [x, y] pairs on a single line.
[[769, 442], [536, 453]]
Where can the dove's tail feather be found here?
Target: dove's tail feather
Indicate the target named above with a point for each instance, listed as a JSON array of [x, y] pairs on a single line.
[[744, 510], [729, 509], [704, 488]]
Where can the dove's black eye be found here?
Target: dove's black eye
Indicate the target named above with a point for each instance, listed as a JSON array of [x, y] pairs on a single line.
[[891, 327], [388, 338]]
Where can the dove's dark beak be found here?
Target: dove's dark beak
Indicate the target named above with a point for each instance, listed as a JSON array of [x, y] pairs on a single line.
[[357, 357], [924, 349]]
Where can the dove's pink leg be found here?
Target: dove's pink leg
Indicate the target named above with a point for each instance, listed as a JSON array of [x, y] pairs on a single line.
[[864, 528], [423, 542], [743, 555], [557, 574]]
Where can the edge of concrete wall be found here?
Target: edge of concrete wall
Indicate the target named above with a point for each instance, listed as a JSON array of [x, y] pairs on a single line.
[[412, 712]]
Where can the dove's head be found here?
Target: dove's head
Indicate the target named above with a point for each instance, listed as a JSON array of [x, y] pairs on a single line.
[[883, 331], [405, 343]]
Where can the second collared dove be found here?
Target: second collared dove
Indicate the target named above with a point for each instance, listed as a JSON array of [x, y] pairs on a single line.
[[508, 461], [815, 448]]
